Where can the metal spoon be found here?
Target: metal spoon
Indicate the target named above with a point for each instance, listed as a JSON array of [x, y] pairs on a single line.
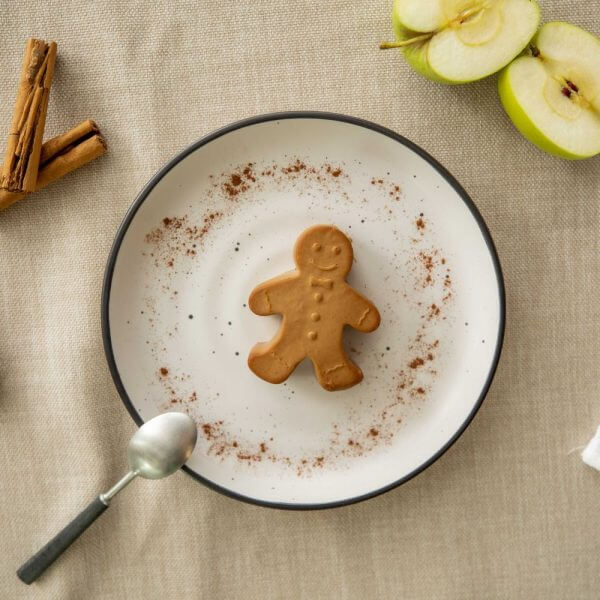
[[157, 449]]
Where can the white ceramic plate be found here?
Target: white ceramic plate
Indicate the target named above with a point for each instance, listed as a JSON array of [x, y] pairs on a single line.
[[222, 217]]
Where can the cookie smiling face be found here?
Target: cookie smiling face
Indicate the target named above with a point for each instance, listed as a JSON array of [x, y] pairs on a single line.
[[323, 251]]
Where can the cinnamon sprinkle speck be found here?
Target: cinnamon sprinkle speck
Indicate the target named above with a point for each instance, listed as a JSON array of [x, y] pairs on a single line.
[[416, 363]]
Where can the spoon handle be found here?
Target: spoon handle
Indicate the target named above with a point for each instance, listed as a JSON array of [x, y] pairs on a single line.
[[41, 560]]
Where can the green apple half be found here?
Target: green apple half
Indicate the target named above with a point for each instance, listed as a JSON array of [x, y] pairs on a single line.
[[458, 41], [553, 95]]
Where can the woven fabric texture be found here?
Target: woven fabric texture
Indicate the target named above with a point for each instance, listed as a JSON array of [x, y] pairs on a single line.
[[506, 513]]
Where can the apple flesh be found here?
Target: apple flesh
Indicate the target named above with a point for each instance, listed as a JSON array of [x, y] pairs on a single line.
[[553, 95], [458, 41]]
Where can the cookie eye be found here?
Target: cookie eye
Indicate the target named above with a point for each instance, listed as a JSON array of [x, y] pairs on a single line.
[[316, 246], [336, 249]]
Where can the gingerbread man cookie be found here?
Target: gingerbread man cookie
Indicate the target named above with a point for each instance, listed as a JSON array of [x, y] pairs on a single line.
[[316, 303]]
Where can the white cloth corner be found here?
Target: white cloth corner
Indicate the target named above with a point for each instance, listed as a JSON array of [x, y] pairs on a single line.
[[591, 454]]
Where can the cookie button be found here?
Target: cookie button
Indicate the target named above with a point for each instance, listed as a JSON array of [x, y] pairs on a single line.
[[315, 316], [312, 335], [318, 297]]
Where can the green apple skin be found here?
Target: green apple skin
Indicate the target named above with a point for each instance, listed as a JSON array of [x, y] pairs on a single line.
[[416, 56], [523, 122]]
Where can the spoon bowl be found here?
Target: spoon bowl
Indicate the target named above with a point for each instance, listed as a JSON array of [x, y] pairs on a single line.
[[162, 445]]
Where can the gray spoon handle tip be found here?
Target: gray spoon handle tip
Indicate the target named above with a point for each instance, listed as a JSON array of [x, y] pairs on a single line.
[[41, 560]]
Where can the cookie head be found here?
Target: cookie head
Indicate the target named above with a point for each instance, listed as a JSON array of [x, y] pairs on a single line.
[[324, 251]]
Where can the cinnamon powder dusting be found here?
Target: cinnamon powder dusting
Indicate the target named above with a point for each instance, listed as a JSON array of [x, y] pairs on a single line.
[[239, 182], [178, 239], [177, 236], [416, 363]]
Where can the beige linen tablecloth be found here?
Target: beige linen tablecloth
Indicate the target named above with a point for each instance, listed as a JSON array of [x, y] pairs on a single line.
[[506, 513]]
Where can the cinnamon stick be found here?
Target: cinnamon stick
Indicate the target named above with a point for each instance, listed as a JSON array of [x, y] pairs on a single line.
[[57, 144], [76, 156], [61, 155], [22, 156]]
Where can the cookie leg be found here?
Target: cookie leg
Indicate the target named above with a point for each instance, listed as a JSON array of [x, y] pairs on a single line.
[[335, 371], [274, 362]]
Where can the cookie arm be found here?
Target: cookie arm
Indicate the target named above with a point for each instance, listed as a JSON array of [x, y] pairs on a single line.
[[266, 298], [362, 314]]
